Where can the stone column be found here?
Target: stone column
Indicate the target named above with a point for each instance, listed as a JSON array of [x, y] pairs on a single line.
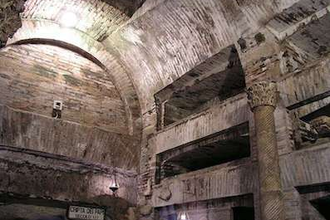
[[262, 98]]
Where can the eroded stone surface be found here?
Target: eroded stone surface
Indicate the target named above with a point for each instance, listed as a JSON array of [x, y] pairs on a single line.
[[10, 20], [32, 83], [284, 41], [30, 131]]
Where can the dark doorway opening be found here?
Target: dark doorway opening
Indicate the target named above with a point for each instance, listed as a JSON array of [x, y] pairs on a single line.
[[243, 213], [226, 146], [323, 206], [218, 78]]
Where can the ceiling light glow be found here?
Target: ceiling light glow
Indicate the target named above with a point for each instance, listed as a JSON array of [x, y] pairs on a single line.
[[69, 19], [183, 216]]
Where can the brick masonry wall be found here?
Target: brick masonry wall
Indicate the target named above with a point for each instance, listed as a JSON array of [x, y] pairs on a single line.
[[48, 30], [97, 18], [219, 117], [31, 175], [204, 29], [304, 167], [156, 56], [294, 87], [25, 130], [33, 76]]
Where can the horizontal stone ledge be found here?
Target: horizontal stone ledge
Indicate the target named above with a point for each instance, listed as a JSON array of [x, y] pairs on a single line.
[[230, 113], [300, 14], [305, 87], [226, 180], [306, 167], [8, 198], [299, 168], [58, 162]]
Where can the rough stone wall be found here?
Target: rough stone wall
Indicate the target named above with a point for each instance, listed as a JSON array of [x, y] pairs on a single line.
[[211, 183], [147, 5], [34, 76], [48, 32], [93, 125], [303, 85], [238, 179], [10, 20], [30, 131], [203, 124], [98, 18], [266, 53], [209, 209], [29, 212], [32, 175], [164, 42], [127, 6], [102, 121], [206, 27]]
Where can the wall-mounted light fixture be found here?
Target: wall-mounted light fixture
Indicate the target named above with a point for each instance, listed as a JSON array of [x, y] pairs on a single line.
[[57, 109], [114, 186]]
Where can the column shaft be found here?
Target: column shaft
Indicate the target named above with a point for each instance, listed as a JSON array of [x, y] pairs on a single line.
[[271, 198], [263, 99]]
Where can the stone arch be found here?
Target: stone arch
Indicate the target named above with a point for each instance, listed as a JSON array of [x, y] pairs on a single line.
[[160, 55], [47, 32]]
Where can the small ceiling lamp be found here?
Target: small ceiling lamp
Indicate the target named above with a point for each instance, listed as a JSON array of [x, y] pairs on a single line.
[[68, 19]]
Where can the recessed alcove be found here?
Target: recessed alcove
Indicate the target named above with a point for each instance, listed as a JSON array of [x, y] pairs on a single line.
[[325, 111], [243, 213], [228, 208], [322, 206], [229, 145], [315, 201], [219, 77]]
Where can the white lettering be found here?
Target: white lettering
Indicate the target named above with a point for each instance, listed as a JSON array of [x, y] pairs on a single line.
[[84, 213]]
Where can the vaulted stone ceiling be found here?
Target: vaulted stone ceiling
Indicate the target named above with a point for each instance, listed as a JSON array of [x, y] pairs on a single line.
[[160, 43], [126, 6], [143, 55], [96, 18], [42, 21], [142, 45], [169, 38], [46, 61]]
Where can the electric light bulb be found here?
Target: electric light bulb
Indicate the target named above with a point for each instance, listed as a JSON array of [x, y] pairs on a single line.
[[183, 216]]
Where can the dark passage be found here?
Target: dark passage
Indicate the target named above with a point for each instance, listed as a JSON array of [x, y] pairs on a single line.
[[243, 213], [219, 77], [226, 146], [323, 206]]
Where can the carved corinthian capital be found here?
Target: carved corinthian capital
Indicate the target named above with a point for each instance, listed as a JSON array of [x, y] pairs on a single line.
[[10, 20], [262, 94]]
